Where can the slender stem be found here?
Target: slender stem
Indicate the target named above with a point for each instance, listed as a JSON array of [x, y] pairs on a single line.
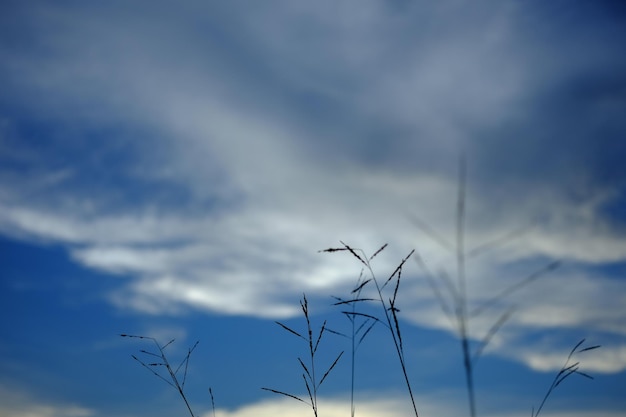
[[469, 375], [462, 316], [182, 394], [174, 378], [394, 327], [314, 380], [352, 408], [395, 340], [305, 308]]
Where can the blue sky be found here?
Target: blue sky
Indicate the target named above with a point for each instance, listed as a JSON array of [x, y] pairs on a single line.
[[171, 169]]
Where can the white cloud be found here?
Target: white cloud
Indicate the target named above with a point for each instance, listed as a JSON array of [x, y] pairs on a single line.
[[246, 260], [380, 406], [389, 406], [288, 181]]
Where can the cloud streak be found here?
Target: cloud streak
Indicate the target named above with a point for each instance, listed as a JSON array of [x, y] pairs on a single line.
[[230, 158]]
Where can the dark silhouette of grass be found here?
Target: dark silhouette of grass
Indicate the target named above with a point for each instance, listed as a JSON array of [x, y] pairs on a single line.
[[392, 323], [390, 320], [172, 377], [566, 370], [360, 326], [450, 293], [309, 375]]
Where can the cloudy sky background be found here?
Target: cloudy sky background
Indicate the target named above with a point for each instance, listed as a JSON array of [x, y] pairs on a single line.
[[172, 170]]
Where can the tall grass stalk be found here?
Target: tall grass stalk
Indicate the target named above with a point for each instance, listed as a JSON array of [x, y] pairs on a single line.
[[309, 376], [360, 326], [389, 307]]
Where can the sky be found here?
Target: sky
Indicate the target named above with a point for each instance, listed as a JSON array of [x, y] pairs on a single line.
[[173, 170]]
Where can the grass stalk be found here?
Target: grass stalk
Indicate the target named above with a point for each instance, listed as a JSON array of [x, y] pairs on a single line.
[[172, 378], [309, 375], [566, 370], [389, 307], [360, 327]]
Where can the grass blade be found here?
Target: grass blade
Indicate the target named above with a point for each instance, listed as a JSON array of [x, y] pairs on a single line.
[[290, 330], [330, 369], [285, 394]]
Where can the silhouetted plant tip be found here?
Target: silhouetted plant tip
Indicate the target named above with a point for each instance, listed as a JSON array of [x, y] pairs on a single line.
[[356, 313], [352, 301], [289, 329], [398, 271], [172, 373], [309, 376], [212, 401], [566, 370], [286, 394], [360, 287], [378, 251]]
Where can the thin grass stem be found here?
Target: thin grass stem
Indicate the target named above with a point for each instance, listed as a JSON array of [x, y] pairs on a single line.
[[391, 320], [309, 376], [173, 378]]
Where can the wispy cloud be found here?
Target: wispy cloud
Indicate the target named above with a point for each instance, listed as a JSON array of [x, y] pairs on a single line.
[[387, 407], [376, 406], [229, 157]]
